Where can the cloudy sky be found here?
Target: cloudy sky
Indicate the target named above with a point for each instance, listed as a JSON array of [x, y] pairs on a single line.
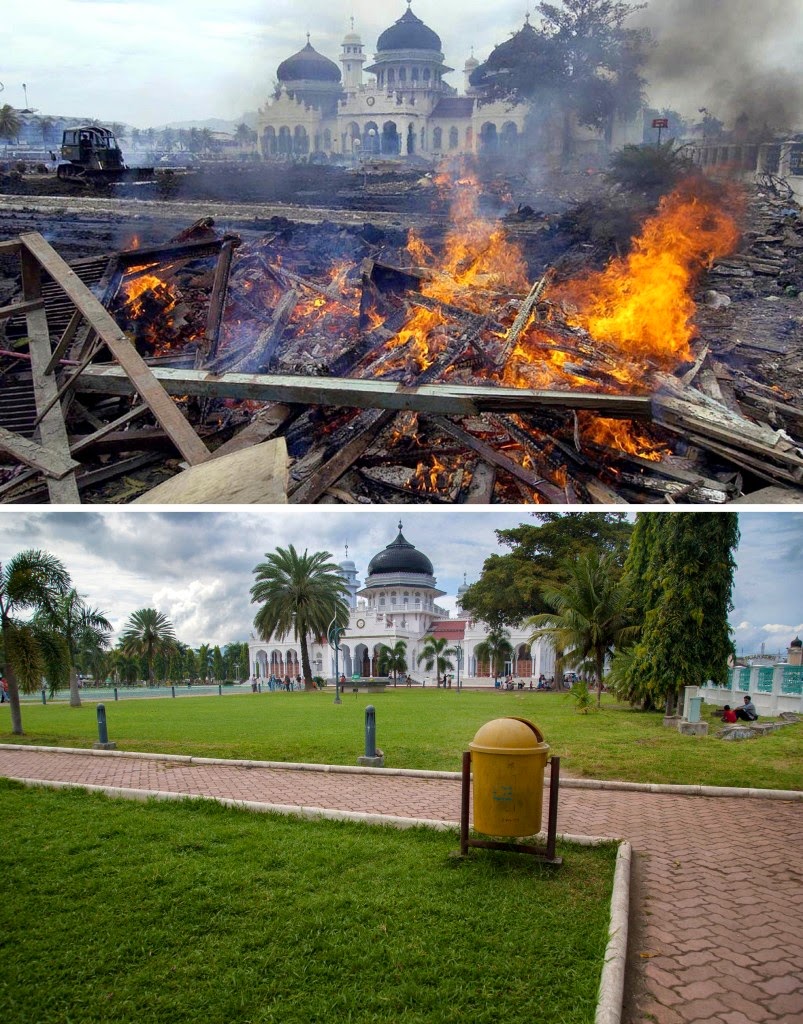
[[196, 567], [149, 62]]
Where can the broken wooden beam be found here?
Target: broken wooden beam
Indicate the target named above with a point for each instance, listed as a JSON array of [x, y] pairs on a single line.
[[50, 462], [446, 399], [131, 363], [21, 308]]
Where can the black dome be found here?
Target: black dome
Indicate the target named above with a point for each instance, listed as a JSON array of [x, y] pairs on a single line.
[[524, 46], [309, 66], [797, 642], [400, 556], [409, 33]]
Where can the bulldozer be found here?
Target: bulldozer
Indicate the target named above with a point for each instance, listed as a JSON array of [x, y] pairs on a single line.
[[92, 154]]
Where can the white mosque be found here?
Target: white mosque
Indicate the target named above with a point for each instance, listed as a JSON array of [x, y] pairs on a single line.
[[405, 108], [397, 602]]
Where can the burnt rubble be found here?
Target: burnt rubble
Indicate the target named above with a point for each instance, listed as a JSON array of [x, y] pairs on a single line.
[[302, 335]]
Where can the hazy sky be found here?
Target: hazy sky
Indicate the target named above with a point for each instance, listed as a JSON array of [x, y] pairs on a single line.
[[148, 62], [196, 567]]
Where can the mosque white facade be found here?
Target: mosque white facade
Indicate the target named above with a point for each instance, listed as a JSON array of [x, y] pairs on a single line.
[[398, 601], [405, 108]]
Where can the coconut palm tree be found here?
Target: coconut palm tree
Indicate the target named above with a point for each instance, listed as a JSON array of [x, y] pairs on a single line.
[[10, 122], [496, 649], [592, 615], [85, 630], [30, 581], [300, 595], [435, 654], [393, 660], [146, 634]]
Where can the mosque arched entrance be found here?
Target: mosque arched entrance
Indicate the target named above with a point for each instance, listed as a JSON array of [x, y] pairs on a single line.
[[391, 140]]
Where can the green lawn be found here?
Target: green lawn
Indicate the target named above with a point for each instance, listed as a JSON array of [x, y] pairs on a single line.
[[423, 729], [115, 911]]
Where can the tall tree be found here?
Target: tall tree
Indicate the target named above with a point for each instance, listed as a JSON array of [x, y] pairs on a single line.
[[511, 585], [10, 122], [393, 660], [85, 631], [680, 574], [582, 63], [435, 654], [32, 581], [496, 649], [300, 595], [218, 665], [591, 616], [147, 633], [204, 661]]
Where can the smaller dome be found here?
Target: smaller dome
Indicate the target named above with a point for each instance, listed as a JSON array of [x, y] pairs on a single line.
[[408, 33], [347, 566], [353, 38], [797, 642], [308, 66]]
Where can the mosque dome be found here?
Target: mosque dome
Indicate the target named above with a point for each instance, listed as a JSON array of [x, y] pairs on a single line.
[[797, 642], [308, 66], [524, 45], [400, 556], [408, 33]]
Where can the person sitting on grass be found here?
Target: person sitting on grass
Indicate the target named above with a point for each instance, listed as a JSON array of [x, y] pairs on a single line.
[[728, 714], [747, 712]]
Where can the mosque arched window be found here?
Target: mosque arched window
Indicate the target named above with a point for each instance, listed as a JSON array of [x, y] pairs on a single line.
[[437, 138], [402, 74], [453, 138], [414, 75], [391, 76], [426, 74]]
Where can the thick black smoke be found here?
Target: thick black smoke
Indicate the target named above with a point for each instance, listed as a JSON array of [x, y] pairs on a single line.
[[731, 56]]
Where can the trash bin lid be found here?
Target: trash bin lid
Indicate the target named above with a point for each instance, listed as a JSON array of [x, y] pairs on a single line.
[[508, 735]]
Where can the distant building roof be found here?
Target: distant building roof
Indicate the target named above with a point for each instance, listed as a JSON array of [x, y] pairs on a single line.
[[454, 106]]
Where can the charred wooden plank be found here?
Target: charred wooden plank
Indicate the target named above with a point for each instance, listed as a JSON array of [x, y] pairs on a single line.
[[448, 399], [131, 363], [481, 488], [263, 351], [365, 430], [547, 490], [21, 308], [217, 300]]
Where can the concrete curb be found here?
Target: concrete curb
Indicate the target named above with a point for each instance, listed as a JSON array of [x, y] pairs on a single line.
[[611, 989], [566, 783]]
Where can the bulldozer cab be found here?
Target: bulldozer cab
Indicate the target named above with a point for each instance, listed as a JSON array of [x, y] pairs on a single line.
[[92, 148]]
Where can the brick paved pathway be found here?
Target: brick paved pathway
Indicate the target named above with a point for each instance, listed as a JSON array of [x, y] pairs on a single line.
[[716, 922]]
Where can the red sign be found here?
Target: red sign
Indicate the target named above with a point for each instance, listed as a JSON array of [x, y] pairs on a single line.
[[660, 122]]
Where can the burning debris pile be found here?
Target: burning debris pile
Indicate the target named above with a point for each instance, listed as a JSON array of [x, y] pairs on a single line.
[[409, 369]]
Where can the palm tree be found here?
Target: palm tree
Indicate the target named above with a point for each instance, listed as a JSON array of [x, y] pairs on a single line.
[[10, 122], [125, 667], [146, 634], [30, 581], [301, 594], [435, 653], [591, 617], [85, 630], [393, 660], [496, 649], [167, 139]]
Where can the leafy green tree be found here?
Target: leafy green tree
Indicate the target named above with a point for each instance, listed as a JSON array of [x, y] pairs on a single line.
[[495, 649], [435, 654], [125, 668], [582, 64], [393, 660], [190, 664], [591, 616], [652, 169], [148, 633], [85, 630], [168, 139], [511, 585], [680, 576], [300, 595], [244, 135], [10, 122], [218, 665], [204, 661], [31, 581]]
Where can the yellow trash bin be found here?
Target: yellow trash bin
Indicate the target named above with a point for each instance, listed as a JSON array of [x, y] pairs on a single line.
[[508, 756]]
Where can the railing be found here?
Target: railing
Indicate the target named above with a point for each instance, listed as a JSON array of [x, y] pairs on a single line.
[[112, 693]]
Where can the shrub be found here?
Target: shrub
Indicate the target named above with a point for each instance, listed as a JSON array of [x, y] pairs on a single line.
[[640, 168]]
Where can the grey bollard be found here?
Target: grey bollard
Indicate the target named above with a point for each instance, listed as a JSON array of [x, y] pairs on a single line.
[[115, 694], [103, 733], [370, 731], [44, 695], [220, 689], [173, 690], [373, 758]]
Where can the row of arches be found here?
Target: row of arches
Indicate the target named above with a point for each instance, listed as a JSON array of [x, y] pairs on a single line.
[[398, 75], [386, 139]]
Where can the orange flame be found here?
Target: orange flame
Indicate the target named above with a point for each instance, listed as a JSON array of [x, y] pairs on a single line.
[[642, 304]]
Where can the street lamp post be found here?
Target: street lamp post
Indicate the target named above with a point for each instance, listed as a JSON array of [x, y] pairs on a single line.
[[334, 633], [459, 657]]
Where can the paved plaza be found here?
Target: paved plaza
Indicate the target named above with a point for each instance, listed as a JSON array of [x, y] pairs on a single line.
[[716, 929]]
